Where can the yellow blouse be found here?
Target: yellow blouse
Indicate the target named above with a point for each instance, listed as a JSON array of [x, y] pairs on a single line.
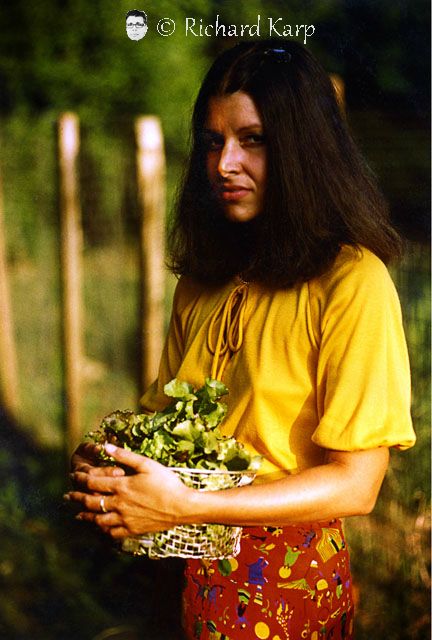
[[323, 365]]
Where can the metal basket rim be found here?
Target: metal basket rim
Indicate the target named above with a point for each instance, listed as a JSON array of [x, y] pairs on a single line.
[[213, 471]]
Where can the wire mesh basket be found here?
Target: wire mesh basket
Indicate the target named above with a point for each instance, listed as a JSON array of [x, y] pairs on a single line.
[[195, 540]]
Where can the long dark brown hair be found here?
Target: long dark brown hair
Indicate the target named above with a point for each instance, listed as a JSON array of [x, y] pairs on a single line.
[[319, 194]]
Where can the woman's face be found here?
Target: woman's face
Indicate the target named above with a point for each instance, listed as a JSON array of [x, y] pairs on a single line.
[[236, 155]]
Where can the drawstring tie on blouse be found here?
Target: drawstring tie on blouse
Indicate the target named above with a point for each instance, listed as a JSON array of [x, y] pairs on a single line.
[[230, 314]]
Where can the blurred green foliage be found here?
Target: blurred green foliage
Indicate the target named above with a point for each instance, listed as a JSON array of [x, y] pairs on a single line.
[[58, 578], [57, 56], [68, 54], [62, 580]]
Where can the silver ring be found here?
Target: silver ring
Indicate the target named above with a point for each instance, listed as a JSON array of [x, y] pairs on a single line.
[[102, 505]]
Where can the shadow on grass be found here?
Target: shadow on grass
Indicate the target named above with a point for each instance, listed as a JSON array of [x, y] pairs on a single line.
[[59, 577]]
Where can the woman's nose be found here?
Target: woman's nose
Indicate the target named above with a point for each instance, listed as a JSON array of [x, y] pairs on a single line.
[[230, 159]]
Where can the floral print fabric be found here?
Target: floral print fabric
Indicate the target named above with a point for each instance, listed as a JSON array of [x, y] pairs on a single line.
[[287, 583]]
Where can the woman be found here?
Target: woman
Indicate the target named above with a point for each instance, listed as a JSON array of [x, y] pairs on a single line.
[[280, 238]]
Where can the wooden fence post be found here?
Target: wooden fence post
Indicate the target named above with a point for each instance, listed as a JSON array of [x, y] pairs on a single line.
[[8, 361], [71, 256], [151, 194]]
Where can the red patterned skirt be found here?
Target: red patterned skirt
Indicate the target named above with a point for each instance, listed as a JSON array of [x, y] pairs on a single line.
[[287, 583]]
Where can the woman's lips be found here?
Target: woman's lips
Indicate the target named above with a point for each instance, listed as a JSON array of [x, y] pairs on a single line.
[[233, 193]]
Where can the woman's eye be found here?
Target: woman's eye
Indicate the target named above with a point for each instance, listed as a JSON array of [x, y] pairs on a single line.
[[217, 142], [213, 143], [253, 139]]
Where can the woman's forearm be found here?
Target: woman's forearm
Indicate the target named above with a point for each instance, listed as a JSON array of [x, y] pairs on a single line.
[[348, 484], [154, 498]]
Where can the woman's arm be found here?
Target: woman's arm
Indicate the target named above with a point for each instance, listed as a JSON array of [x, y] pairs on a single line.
[[154, 498], [347, 484]]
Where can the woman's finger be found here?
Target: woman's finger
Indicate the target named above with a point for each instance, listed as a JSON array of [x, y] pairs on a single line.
[[99, 471], [96, 504], [106, 471], [88, 450], [118, 532], [133, 460], [92, 483], [86, 453], [102, 520]]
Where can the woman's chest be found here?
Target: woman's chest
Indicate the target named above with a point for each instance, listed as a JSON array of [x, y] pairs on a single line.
[[266, 334]]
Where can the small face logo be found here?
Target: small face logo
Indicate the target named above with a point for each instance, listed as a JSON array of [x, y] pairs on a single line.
[[136, 25]]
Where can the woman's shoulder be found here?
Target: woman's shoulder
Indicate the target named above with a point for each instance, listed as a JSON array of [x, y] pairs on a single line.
[[354, 267], [356, 288], [191, 292], [357, 280], [186, 290]]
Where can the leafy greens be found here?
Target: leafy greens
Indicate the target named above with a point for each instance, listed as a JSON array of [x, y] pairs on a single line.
[[185, 434]]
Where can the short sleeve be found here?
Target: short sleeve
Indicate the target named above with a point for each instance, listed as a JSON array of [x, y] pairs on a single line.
[[363, 376]]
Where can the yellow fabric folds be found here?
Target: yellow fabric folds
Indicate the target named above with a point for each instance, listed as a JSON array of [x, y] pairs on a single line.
[[229, 315], [323, 365]]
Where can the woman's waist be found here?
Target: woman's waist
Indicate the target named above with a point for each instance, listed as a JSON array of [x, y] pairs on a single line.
[[299, 528]]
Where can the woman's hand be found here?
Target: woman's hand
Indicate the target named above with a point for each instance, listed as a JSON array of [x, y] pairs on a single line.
[[86, 459], [151, 499], [155, 499]]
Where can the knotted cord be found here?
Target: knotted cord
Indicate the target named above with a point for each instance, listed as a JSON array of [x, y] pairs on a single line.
[[230, 314]]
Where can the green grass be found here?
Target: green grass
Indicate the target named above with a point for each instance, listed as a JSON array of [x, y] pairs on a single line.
[[391, 547]]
